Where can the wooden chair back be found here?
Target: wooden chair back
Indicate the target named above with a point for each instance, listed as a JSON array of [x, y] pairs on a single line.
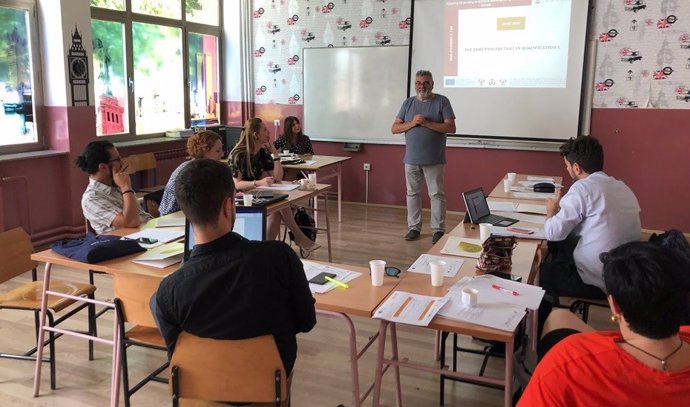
[[134, 292], [244, 370], [15, 254]]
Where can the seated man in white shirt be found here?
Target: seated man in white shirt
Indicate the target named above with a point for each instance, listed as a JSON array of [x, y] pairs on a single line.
[[597, 214], [108, 202]]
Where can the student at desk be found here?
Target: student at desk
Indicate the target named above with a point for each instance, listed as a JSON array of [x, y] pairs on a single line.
[[294, 141], [205, 144], [646, 363], [231, 287], [255, 162]]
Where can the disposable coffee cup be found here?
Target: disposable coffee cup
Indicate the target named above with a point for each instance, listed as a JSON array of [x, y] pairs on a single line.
[[303, 184], [512, 176], [248, 199], [507, 184], [470, 297], [437, 269], [484, 231], [377, 268], [286, 152], [312, 180]]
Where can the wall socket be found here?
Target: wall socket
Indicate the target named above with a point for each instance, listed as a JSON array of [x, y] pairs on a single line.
[[367, 167], [276, 123]]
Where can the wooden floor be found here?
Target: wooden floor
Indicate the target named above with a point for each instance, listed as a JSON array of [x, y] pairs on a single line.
[[322, 373]]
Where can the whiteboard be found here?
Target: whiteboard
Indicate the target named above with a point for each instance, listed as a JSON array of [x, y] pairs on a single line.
[[353, 94]]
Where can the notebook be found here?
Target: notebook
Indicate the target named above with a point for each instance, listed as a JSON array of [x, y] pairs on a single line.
[[250, 223], [478, 209]]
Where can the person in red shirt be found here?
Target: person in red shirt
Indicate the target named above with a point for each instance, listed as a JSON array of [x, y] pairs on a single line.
[[648, 361]]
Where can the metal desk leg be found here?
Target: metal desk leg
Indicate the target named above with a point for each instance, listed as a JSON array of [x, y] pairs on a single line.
[[339, 170], [508, 391], [378, 375], [41, 330]]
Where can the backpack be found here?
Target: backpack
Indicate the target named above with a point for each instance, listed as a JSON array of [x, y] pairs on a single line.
[[306, 224]]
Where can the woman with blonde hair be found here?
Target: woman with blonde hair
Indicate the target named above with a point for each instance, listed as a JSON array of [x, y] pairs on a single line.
[[256, 162], [205, 144]]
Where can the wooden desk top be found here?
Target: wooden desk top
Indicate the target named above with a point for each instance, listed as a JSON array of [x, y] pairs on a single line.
[[321, 162], [498, 192]]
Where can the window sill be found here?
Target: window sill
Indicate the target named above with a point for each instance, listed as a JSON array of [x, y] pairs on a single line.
[[146, 141], [31, 155]]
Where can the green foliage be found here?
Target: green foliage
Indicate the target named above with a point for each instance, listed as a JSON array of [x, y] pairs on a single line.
[[14, 48]]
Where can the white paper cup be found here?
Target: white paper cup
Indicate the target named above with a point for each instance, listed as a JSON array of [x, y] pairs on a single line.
[[248, 199], [511, 177], [469, 296], [437, 269], [377, 268], [303, 184], [286, 152], [484, 231], [507, 184], [312, 180]]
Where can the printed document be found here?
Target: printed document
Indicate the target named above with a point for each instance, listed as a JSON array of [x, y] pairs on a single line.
[[421, 265], [409, 308], [312, 269]]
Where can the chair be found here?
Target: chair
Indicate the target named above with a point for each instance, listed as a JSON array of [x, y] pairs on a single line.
[[15, 259], [142, 163], [244, 370], [132, 294]]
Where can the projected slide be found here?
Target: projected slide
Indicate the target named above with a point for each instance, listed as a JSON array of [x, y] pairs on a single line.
[[506, 43]]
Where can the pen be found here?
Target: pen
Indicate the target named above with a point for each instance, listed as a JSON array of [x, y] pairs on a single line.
[[334, 281], [505, 290]]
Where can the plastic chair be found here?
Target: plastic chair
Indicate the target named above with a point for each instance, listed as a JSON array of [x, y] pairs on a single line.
[[223, 370], [15, 259], [132, 294]]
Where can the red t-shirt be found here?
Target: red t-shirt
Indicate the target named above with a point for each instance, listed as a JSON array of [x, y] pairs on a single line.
[[590, 370]]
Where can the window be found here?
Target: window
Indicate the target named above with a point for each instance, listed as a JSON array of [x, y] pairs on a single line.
[[18, 46], [157, 66]]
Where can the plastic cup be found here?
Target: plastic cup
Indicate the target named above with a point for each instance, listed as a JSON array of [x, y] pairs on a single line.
[[507, 184], [470, 296], [303, 184], [484, 231], [377, 268], [312, 180], [248, 199], [286, 152], [512, 176], [438, 269]]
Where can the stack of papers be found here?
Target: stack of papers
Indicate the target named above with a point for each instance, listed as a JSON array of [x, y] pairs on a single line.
[[519, 232], [279, 187], [161, 235], [461, 246], [421, 265], [313, 269], [408, 308], [162, 256], [501, 303], [170, 222]]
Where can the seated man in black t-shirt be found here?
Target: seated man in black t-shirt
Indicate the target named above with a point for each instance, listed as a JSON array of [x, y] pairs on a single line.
[[231, 287]]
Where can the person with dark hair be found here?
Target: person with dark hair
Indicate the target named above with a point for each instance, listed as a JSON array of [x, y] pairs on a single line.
[[644, 364], [255, 162], [205, 144], [293, 139], [597, 214], [425, 119], [108, 202], [231, 287]]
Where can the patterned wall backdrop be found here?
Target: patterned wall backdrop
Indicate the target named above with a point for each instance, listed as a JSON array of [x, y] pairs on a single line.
[[643, 55], [283, 28]]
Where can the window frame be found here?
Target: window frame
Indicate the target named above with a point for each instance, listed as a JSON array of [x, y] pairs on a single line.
[[127, 18], [37, 84]]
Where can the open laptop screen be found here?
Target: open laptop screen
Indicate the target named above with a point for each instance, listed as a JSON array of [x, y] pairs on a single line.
[[476, 204], [250, 222]]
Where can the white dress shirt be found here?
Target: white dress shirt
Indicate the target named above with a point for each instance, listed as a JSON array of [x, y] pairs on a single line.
[[101, 203], [605, 213]]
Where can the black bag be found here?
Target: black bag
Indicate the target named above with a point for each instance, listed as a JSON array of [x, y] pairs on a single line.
[[96, 248], [306, 224]]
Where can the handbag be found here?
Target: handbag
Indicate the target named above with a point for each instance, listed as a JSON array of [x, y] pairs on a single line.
[[497, 253], [96, 248]]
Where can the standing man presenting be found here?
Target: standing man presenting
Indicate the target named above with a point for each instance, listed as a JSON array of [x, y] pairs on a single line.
[[425, 119]]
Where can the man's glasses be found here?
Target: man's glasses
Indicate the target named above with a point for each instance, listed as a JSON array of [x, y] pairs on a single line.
[[118, 158], [425, 83], [390, 271]]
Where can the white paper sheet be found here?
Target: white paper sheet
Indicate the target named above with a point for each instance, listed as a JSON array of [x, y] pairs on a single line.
[[494, 289], [493, 315], [537, 233], [452, 247], [511, 207], [533, 195], [540, 179], [170, 222], [313, 269], [279, 187], [162, 256], [524, 217], [408, 308], [162, 235], [421, 265]]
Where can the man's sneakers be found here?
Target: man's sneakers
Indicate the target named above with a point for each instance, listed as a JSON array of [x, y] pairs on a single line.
[[412, 235], [436, 237]]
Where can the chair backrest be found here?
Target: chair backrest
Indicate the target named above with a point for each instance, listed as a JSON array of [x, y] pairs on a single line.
[[141, 162], [15, 254], [243, 370], [134, 292]]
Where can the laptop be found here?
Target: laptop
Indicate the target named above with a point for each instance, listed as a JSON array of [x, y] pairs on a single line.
[[478, 209], [250, 223]]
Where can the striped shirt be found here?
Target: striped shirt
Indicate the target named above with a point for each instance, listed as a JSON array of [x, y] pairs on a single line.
[[101, 203]]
